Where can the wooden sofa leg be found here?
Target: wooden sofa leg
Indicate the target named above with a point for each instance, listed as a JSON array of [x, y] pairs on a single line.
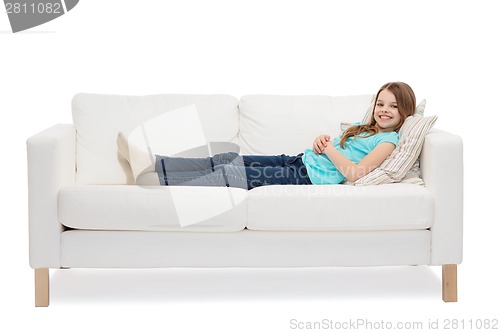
[[449, 280], [41, 287]]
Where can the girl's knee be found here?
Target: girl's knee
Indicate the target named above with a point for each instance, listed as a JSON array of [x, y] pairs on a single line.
[[224, 158]]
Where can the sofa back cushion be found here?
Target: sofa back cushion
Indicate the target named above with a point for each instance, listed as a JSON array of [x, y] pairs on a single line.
[[273, 124], [99, 118]]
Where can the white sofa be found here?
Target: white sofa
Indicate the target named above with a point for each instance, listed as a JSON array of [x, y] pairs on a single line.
[[84, 213]]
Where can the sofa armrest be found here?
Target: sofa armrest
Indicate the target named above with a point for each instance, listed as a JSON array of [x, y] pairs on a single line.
[[441, 163], [51, 165]]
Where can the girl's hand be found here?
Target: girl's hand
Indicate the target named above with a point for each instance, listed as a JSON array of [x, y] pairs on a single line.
[[320, 143]]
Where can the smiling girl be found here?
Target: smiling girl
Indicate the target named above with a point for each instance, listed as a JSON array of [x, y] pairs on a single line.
[[359, 150], [362, 148]]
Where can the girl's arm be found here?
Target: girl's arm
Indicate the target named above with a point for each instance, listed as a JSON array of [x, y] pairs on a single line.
[[353, 171]]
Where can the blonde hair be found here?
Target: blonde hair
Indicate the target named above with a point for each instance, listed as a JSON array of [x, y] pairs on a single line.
[[405, 98]]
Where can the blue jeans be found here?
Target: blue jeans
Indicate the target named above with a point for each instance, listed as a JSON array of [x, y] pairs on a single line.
[[232, 170]]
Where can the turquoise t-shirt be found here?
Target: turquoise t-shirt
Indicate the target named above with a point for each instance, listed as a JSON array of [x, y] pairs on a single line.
[[322, 171]]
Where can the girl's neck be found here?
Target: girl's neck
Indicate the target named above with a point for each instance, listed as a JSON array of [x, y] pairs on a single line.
[[390, 129]]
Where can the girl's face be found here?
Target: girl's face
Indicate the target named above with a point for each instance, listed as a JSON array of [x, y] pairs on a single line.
[[386, 112]]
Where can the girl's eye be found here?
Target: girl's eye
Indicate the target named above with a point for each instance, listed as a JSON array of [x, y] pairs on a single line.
[[395, 106], [379, 104]]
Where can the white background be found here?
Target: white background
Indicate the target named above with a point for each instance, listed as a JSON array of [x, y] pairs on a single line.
[[446, 50]]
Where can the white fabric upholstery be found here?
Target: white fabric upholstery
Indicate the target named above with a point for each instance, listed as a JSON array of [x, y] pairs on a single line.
[[340, 207], [122, 207], [129, 249], [99, 118], [271, 124], [51, 165], [387, 207], [441, 163]]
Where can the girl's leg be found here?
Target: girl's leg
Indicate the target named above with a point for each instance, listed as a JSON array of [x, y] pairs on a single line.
[[174, 164], [206, 171], [230, 169], [293, 172], [250, 171], [277, 176], [267, 161]]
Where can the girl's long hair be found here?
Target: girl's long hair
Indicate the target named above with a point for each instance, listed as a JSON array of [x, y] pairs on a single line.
[[405, 98]]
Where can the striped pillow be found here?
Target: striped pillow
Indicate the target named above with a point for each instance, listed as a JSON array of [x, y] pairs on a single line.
[[403, 158]]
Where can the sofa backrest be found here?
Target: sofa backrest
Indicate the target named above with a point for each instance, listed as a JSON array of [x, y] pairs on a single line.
[[272, 124], [260, 124], [99, 118]]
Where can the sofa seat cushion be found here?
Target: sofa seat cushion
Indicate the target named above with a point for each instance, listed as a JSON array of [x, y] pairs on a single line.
[[340, 207], [153, 208]]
